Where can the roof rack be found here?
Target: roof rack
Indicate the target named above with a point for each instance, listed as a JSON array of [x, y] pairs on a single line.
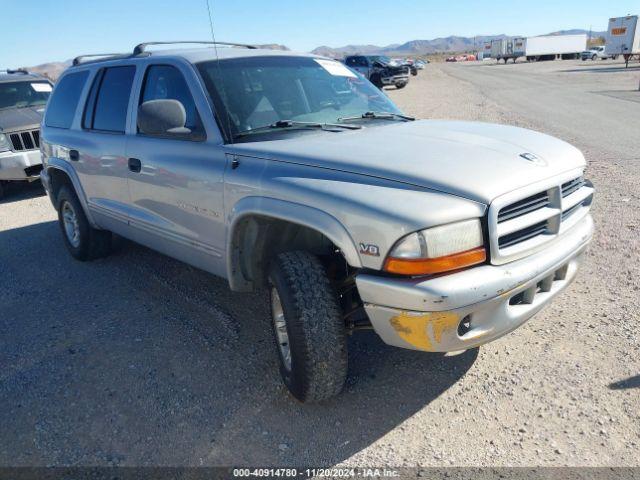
[[79, 59], [140, 49], [15, 70]]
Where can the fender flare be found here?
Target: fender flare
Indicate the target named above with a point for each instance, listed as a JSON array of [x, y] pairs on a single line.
[[292, 212], [62, 165]]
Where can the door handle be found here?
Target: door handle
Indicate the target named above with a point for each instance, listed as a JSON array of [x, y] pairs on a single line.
[[74, 155], [135, 165]]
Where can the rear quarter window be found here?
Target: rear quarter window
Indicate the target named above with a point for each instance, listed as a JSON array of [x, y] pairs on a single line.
[[64, 102]]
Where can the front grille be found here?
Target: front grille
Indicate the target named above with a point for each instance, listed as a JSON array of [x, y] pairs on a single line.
[[518, 224], [28, 140], [522, 235], [524, 206], [566, 214], [571, 186]]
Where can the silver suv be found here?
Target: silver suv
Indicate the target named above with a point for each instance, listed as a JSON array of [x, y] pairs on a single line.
[[289, 172], [23, 96]]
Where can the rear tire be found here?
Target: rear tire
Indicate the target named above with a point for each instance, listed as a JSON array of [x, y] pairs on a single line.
[[308, 326], [2, 189], [83, 241], [400, 85]]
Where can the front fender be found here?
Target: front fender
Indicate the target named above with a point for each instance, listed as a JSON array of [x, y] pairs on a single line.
[[296, 213]]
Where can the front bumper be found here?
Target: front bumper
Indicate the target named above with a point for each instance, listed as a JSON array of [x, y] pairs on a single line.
[[489, 301], [394, 80], [20, 165]]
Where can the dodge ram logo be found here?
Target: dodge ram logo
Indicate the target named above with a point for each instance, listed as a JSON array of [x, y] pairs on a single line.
[[369, 249], [533, 159]]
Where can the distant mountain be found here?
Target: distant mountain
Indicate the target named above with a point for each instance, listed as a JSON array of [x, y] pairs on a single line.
[[348, 50], [273, 46], [51, 70], [452, 44], [413, 47], [577, 31]]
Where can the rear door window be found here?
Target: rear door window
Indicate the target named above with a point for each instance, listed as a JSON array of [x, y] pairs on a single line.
[[112, 100], [64, 102]]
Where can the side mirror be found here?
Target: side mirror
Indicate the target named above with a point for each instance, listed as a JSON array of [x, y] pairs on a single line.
[[162, 117]]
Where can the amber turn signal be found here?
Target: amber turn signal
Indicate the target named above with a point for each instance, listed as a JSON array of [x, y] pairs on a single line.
[[429, 266]]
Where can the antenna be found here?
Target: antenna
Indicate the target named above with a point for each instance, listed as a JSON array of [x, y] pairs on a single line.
[[215, 47]]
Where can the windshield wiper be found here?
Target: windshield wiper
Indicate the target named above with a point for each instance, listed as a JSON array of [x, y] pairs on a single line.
[[379, 115], [292, 124]]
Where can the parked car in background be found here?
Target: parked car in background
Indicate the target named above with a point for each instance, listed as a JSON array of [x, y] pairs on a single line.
[[421, 64], [406, 62], [23, 97], [292, 174], [462, 58], [379, 70], [597, 52]]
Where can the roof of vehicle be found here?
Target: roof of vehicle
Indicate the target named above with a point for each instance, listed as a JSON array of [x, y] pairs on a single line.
[[194, 55], [7, 76]]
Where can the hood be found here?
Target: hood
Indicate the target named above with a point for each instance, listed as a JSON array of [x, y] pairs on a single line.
[[20, 118], [478, 161]]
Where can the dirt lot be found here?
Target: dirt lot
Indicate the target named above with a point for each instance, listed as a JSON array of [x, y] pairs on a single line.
[[139, 360]]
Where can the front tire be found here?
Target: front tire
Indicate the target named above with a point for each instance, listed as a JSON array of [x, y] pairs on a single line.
[[83, 241], [309, 329], [376, 79]]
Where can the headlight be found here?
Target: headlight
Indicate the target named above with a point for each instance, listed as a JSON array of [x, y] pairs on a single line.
[[438, 249], [4, 143]]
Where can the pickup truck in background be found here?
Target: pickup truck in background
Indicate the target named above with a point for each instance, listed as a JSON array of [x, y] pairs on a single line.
[[595, 53], [379, 70]]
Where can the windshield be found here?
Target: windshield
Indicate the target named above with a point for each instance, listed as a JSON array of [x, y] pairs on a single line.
[[24, 94], [252, 92], [381, 59]]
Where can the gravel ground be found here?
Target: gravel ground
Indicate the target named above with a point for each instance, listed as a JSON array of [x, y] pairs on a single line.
[[137, 359]]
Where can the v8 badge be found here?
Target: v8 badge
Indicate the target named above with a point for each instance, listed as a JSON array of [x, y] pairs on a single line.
[[369, 249]]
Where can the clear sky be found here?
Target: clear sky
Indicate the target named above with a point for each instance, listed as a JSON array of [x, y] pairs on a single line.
[[38, 31]]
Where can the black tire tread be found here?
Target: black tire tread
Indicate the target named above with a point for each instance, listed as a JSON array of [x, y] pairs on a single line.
[[320, 329], [94, 243]]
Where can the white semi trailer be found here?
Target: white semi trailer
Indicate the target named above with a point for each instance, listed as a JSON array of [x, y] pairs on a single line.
[[552, 47], [546, 47], [623, 37]]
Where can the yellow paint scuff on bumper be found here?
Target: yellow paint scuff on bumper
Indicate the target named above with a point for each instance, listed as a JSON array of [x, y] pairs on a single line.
[[424, 330]]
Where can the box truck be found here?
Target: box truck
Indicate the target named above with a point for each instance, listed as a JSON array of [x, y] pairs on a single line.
[[551, 47], [623, 37]]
